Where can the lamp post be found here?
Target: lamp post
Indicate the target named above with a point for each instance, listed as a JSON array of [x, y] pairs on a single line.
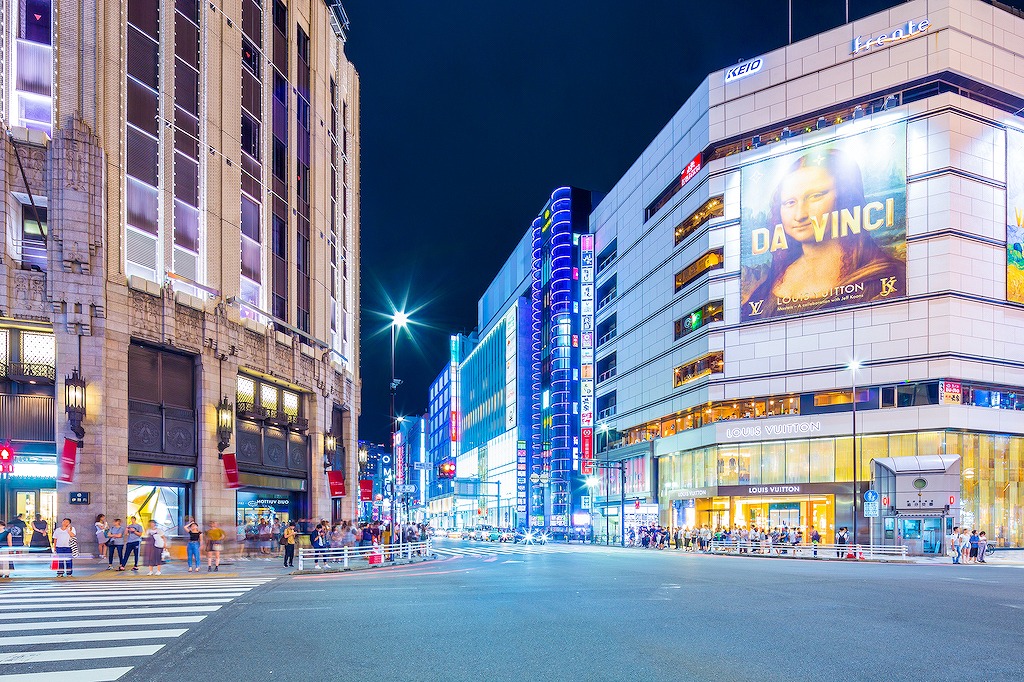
[[853, 367], [398, 321], [592, 485]]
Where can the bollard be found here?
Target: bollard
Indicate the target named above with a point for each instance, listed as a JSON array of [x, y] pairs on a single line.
[[344, 558], [300, 559]]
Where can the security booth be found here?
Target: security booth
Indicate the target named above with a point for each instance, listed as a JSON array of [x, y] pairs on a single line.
[[919, 501]]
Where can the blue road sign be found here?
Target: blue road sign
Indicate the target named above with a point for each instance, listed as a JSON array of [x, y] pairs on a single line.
[[871, 496]]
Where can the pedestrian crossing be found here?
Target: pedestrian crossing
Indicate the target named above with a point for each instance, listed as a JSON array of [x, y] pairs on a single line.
[[493, 549], [99, 631]]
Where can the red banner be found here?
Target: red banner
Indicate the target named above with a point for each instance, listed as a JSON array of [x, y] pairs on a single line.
[[336, 482], [231, 470], [68, 459], [587, 451], [366, 490]]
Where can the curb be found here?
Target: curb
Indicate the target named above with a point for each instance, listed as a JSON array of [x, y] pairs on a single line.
[[364, 567]]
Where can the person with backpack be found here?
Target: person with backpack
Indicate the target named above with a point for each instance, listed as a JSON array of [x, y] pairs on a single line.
[[318, 541], [842, 538]]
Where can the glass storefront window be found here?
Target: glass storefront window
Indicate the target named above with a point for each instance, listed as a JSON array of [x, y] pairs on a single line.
[[165, 504], [797, 467], [728, 465], [844, 459], [753, 453], [823, 461], [773, 462]]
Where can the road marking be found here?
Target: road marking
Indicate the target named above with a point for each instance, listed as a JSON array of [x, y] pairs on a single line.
[[106, 612], [90, 637], [114, 622], [1013, 606], [513, 561], [65, 604], [79, 654], [95, 675]]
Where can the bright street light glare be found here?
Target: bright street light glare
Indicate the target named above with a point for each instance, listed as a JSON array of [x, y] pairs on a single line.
[[592, 482], [854, 365], [400, 318]]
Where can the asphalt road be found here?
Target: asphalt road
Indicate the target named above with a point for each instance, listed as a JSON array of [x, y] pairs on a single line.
[[610, 614]]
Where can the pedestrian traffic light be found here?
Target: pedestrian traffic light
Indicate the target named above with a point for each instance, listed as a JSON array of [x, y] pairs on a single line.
[[6, 458], [446, 469]]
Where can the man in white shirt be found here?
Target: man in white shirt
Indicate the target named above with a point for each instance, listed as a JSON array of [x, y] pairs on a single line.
[[62, 545]]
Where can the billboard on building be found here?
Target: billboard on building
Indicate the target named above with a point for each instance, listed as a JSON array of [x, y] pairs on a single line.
[[1015, 216], [825, 227]]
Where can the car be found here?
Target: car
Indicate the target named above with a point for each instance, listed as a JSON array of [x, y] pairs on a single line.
[[530, 537], [482, 533], [455, 534], [500, 535]]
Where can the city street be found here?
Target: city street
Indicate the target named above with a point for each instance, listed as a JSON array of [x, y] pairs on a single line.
[[504, 612]]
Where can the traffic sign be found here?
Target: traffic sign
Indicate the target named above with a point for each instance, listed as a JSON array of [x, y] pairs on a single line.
[[871, 496], [405, 488], [871, 509], [421, 465], [534, 478]]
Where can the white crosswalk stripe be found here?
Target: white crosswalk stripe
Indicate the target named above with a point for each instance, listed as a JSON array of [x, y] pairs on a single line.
[[53, 631]]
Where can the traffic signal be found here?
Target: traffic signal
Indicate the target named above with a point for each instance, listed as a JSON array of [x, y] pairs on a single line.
[[6, 458], [446, 469]]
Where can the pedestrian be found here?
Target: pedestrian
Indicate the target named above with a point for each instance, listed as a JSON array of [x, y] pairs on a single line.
[[132, 539], [264, 536], [18, 529], [192, 548], [62, 538], [842, 538], [154, 544], [288, 537], [965, 546], [40, 534], [982, 546], [815, 539], [954, 544], [214, 546], [972, 543], [318, 541], [6, 547], [115, 544], [100, 530]]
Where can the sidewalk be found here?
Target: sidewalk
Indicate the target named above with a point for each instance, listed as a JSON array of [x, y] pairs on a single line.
[[90, 568]]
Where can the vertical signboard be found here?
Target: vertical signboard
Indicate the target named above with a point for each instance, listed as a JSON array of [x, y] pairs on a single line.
[[510, 368], [521, 478], [587, 354], [399, 458]]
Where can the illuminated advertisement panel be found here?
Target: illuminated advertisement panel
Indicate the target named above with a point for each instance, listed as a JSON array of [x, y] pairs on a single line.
[[510, 368], [587, 354], [521, 477], [825, 227], [1014, 216]]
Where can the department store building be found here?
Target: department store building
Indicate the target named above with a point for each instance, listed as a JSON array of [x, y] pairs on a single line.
[[813, 278]]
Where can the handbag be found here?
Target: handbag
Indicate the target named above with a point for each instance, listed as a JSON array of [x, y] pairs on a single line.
[[165, 555], [74, 547], [217, 546]]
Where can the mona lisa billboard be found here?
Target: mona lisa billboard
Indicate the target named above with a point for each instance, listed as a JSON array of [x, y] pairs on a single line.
[[825, 227]]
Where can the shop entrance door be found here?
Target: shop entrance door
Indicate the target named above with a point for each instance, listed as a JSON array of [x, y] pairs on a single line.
[[32, 502], [784, 515]]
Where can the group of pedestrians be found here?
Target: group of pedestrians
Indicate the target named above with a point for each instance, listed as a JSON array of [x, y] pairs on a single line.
[[967, 547]]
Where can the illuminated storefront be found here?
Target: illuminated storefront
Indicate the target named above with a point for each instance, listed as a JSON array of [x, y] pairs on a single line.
[[810, 284]]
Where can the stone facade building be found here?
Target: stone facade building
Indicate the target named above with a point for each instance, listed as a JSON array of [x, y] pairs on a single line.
[[180, 198]]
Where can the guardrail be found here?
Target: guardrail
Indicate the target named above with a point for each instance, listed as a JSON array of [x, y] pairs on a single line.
[[808, 551], [342, 558]]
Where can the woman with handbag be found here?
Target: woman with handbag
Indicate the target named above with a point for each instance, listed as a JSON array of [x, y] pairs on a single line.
[[153, 548]]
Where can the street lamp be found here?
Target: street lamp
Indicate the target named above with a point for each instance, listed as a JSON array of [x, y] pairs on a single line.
[[225, 424], [399, 319], [74, 402], [592, 484], [853, 367]]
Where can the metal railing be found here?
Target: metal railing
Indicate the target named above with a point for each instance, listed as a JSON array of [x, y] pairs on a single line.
[[808, 551], [343, 558]]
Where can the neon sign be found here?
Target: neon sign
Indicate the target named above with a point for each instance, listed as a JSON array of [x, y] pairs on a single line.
[[860, 44]]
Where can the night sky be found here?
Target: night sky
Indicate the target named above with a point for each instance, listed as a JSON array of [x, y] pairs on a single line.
[[474, 110]]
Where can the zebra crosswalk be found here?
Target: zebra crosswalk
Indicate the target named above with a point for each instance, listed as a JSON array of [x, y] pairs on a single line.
[[492, 549], [98, 631]]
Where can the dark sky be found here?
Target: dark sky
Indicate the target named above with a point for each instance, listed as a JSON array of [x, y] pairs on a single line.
[[474, 110]]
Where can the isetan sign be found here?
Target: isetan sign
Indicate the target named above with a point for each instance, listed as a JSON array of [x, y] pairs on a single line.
[[748, 68], [862, 44]]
